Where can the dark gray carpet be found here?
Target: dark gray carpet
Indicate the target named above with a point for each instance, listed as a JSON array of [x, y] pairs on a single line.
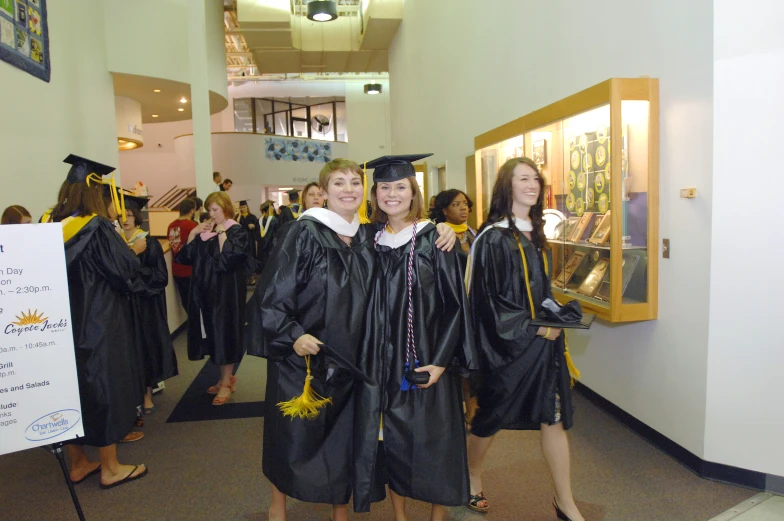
[[211, 470]]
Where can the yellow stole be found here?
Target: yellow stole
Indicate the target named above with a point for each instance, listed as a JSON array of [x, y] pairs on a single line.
[[574, 373], [458, 228], [72, 225]]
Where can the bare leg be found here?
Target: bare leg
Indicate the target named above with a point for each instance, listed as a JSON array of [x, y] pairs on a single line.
[[277, 511], [399, 505], [111, 469], [80, 463], [477, 449], [437, 513], [148, 399], [555, 448], [471, 402], [225, 381], [339, 512]]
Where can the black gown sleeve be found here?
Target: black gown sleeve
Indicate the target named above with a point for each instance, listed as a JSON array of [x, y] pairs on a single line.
[[495, 279], [153, 267], [235, 250], [188, 253], [272, 315], [115, 260], [455, 338]]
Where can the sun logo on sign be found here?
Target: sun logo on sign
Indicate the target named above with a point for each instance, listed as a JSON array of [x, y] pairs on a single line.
[[30, 318]]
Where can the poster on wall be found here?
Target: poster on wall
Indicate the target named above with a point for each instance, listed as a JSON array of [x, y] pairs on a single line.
[[307, 150], [24, 36], [39, 388]]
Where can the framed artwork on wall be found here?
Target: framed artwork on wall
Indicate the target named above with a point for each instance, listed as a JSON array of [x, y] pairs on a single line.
[[540, 152], [24, 36]]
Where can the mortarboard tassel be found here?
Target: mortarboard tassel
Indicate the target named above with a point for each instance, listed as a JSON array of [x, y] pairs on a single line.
[[306, 405], [404, 384], [364, 218]]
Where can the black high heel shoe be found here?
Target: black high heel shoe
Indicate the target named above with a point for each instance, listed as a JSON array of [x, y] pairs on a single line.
[[558, 513]]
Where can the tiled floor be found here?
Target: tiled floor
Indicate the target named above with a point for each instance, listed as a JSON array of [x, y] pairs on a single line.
[[762, 507]]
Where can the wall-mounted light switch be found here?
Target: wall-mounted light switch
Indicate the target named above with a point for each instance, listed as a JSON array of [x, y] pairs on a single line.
[[666, 248]]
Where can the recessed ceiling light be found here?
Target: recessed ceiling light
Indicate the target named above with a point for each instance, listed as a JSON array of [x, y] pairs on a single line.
[[156, 90], [183, 100], [320, 11], [155, 115], [181, 109]]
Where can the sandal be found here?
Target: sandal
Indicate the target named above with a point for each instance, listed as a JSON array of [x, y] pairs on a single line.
[[127, 479], [91, 473], [473, 503], [131, 437], [222, 401], [213, 389]]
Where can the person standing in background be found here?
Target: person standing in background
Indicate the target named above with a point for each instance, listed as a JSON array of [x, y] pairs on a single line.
[[217, 178], [226, 185], [16, 215], [291, 212], [250, 224], [268, 227], [178, 235], [312, 197]]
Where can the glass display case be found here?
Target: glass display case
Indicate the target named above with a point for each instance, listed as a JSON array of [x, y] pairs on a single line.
[[598, 154]]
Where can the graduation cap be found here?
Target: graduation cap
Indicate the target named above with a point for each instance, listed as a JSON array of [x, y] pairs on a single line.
[[82, 168], [266, 204], [294, 192], [394, 168], [134, 201], [244, 203]]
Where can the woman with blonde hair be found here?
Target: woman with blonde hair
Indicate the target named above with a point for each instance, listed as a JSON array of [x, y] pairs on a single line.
[[312, 196], [526, 369], [218, 251]]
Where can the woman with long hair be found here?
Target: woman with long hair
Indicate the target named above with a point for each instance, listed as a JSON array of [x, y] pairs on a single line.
[[269, 223], [218, 251], [16, 214], [153, 339], [102, 271], [418, 325], [312, 196], [525, 374]]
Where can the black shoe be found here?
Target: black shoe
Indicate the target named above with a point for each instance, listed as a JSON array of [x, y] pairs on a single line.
[[558, 513]]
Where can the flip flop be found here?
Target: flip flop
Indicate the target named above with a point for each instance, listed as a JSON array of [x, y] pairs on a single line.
[[126, 479], [91, 473], [149, 410]]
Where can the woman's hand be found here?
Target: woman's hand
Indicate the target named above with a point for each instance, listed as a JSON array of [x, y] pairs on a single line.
[[307, 345], [200, 228], [446, 237], [139, 246], [435, 374], [554, 332]]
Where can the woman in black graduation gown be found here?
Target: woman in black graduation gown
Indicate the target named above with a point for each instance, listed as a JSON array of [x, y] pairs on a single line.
[[268, 228], [312, 291], [218, 251], [102, 271], [150, 322], [417, 320], [526, 380]]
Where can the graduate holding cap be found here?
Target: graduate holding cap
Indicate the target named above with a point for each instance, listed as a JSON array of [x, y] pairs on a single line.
[[150, 322], [102, 271], [418, 326]]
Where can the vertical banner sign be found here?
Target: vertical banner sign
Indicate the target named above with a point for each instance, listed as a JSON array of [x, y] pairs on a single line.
[[39, 390]]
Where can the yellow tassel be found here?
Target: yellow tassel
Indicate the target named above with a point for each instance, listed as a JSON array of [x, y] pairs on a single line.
[[364, 218], [306, 405], [574, 373]]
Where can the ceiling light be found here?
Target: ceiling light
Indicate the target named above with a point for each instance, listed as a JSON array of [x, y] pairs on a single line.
[[372, 88], [180, 109], [155, 115], [183, 100], [156, 90], [320, 11], [285, 188], [127, 144]]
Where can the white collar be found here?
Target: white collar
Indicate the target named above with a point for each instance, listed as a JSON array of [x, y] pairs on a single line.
[[333, 221], [401, 238]]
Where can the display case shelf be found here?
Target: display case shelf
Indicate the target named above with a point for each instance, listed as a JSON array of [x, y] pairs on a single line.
[[598, 152]]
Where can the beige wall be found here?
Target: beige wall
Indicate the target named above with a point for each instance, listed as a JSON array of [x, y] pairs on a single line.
[[41, 123], [456, 73]]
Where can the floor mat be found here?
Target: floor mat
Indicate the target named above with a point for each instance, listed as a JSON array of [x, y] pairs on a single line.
[[196, 405]]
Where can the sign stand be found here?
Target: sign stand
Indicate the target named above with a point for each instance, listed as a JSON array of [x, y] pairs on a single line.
[[57, 450]]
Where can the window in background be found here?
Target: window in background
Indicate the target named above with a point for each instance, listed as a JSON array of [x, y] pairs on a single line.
[[322, 118], [243, 115]]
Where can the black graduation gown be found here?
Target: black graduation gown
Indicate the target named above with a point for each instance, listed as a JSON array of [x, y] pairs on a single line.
[[287, 215], [523, 374], [102, 271], [316, 284], [253, 234], [217, 296], [266, 243], [150, 319], [423, 429]]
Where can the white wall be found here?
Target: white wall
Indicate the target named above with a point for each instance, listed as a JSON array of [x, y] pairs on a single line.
[[485, 67], [746, 354], [41, 123], [369, 122]]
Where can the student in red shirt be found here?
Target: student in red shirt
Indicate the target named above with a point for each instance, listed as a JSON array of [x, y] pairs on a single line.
[[178, 236]]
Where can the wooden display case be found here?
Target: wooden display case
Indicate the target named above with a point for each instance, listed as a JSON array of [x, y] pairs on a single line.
[[598, 152]]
